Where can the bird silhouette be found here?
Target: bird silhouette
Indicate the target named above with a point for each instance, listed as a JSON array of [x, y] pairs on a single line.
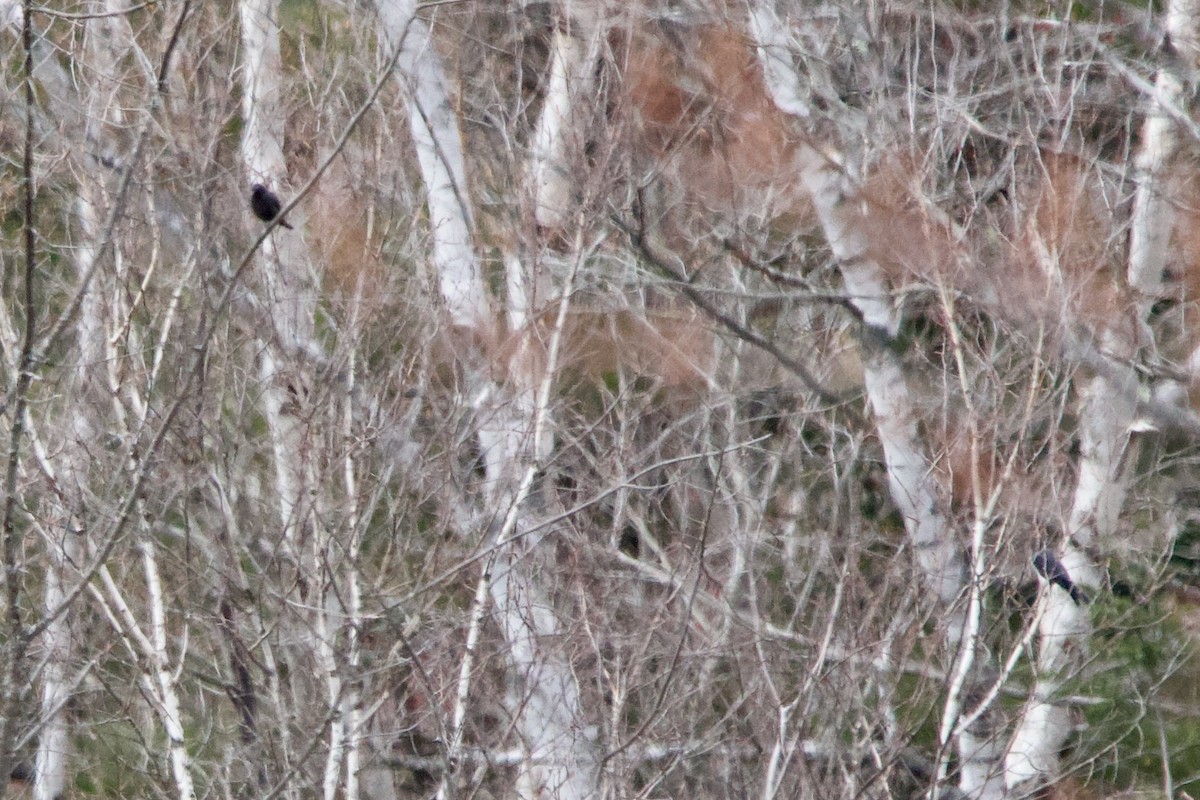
[[20, 778], [1052, 571], [265, 204]]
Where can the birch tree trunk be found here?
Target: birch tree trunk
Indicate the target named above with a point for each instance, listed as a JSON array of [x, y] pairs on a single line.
[[262, 155], [911, 477], [289, 298], [512, 422], [288, 394], [158, 649], [1107, 411], [50, 765], [39, 71], [106, 33], [558, 138], [434, 127], [912, 481], [1154, 203], [560, 760]]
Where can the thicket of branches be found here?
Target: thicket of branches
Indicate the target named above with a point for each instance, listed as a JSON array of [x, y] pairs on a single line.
[[651, 401]]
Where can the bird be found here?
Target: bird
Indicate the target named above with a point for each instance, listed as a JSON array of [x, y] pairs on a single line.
[[265, 204], [1047, 565], [20, 778]]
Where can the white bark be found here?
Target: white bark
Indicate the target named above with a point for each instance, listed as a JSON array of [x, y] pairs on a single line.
[[1045, 722], [1108, 404], [560, 763], [556, 144], [262, 99], [99, 377], [53, 746], [287, 382], [1107, 411], [107, 36], [166, 675], [1153, 209], [160, 680], [911, 478], [50, 763], [290, 297], [438, 142], [980, 749], [351, 700], [326, 658], [55, 85], [775, 54], [561, 760], [460, 281], [1108, 407]]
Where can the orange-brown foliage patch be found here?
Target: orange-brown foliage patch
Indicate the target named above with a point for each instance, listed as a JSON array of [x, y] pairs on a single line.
[[674, 351], [338, 222], [700, 108], [1065, 260]]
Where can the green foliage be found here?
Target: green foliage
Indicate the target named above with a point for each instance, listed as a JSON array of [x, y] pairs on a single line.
[[111, 762], [1140, 691]]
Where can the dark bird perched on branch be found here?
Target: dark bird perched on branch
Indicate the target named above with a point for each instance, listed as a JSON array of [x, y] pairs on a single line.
[[20, 778], [265, 204], [1052, 570]]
